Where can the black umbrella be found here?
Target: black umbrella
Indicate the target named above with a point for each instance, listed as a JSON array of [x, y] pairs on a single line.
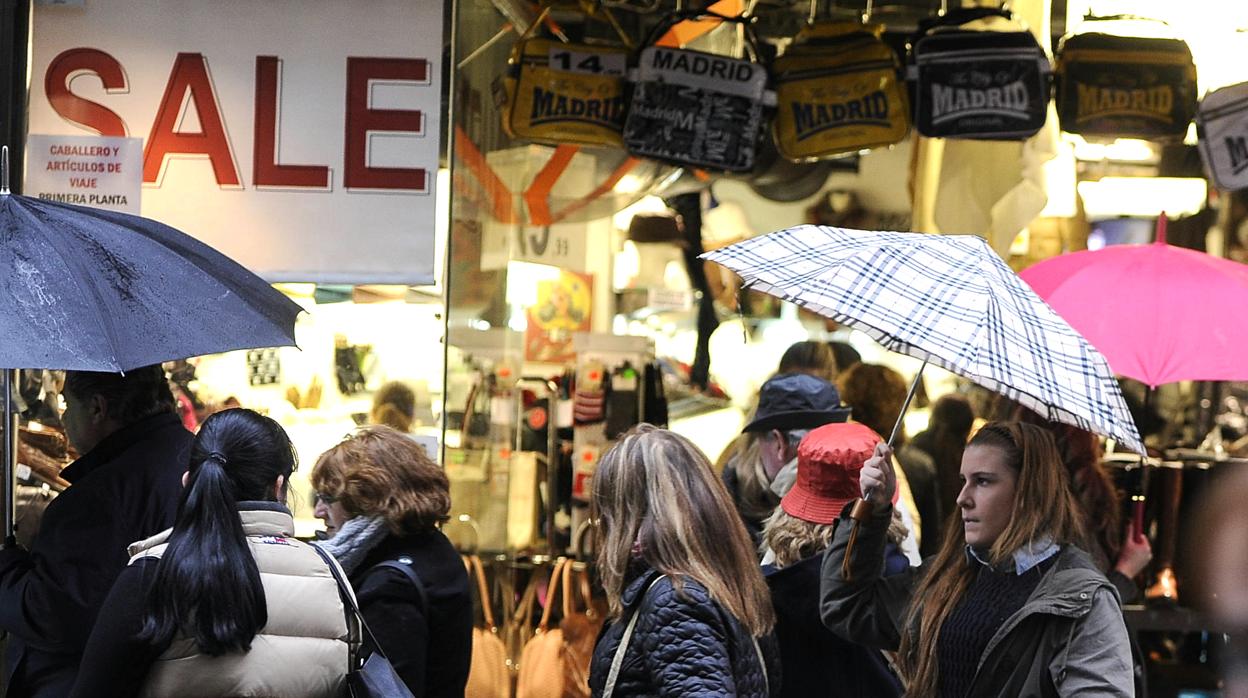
[[94, 290]]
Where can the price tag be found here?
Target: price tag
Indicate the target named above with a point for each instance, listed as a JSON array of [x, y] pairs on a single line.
[[586, 63]]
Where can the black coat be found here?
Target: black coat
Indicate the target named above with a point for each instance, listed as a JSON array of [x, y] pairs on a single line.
[[816, 662], [126, 489], [683, 644], [430, 647]]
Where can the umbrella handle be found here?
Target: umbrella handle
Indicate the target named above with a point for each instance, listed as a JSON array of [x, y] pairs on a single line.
[[863, 507]]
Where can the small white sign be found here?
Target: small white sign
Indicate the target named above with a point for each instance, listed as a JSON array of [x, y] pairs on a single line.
[[560, 245], [97, 171]]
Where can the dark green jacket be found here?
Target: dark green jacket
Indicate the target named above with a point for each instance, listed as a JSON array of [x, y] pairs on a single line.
[[1068, 639]]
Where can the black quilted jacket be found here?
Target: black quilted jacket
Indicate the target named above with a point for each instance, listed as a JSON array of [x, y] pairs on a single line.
[[683, 644]]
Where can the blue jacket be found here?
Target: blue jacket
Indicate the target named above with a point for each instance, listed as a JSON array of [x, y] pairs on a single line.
[[683, 644]]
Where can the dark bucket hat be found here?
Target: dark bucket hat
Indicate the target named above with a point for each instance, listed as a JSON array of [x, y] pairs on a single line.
[[797, 401]]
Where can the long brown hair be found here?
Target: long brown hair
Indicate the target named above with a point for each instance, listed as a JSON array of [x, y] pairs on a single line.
[[656, 497], [1043, 507], [1080, 451]]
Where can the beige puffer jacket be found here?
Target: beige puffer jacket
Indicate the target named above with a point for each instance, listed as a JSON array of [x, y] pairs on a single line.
[[302, 652]]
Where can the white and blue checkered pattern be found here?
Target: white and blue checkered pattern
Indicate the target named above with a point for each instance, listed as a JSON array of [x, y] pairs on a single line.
[[946, 299]]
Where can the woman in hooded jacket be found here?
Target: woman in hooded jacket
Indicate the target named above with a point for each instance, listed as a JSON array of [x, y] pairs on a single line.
[[1010, 605]]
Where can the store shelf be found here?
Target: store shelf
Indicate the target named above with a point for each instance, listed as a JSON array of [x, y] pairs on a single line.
[[1175, 619]]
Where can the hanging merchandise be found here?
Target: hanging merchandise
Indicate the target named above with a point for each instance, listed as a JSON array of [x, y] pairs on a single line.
[[973, 83], [623, 406], [1222, 127], [837, 91], [1125, 77], [555, 661], [558, 92], [697, 109], [487, 674]]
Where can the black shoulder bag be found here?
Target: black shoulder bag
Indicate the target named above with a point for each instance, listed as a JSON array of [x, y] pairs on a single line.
[[376, 677]]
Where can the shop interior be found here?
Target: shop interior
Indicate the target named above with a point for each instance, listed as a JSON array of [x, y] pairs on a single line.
[[570, 304]]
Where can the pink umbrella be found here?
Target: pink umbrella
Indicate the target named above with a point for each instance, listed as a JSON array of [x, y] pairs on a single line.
[[1158, 313]]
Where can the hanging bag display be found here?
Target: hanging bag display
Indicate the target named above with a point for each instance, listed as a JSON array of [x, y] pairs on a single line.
[[1125, 77], [980, 84], [555, 661], [697, 109], [559, 92], [487, 674], [838, 91], [1222, 130]]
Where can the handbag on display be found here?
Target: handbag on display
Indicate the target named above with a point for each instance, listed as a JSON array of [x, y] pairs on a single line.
[[697, 109], [1222, 130], [376, 677], [838, 91], [980, 84], [555, 661], [1125, 77], [559, 92], [488, 676]]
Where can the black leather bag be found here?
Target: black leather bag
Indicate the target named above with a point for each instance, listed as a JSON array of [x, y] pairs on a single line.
[[376, 677]]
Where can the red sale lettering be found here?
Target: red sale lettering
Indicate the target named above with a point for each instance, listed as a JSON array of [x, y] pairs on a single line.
[[265, 171], [189, 75], [361, 119], [78, 61]]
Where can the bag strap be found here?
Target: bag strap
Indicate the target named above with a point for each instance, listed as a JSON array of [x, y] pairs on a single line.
[[408, 571], [348, 596], [674, 18], [618, 660], [552, 590], [961, 16], [762, 663], [476, 573]]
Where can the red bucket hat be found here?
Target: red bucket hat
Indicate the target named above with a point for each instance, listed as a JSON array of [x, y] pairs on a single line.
[[829, 460]]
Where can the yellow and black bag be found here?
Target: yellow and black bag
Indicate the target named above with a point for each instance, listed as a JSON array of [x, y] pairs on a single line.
[[838, 91], [567, 93], [1125, 77]]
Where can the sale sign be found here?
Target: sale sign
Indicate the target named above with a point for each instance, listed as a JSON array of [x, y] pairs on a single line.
[[300, 137]]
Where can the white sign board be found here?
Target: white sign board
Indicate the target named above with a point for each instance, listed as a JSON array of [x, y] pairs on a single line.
[[98, 171], [299, 137]]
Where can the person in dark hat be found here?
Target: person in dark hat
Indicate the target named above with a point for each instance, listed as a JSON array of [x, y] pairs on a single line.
[[815, 661], [789, 406]]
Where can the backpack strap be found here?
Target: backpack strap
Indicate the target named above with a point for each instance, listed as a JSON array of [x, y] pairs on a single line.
[[404, 565]]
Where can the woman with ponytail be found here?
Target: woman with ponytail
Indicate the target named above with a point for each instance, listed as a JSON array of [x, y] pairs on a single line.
[[227, 602], [1009, 606]]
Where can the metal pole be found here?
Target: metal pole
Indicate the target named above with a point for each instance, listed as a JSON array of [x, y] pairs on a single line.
[[10, 450], [914, 386]]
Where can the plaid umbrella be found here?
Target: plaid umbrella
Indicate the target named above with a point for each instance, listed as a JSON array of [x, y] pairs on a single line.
[[948, 300]]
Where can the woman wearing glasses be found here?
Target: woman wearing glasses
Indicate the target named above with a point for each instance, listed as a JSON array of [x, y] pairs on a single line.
[[382, 500]]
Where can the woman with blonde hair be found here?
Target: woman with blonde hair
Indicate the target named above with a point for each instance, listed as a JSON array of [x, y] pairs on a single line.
[[1010, 605], [383, 499], [815, 661], [690, 612]]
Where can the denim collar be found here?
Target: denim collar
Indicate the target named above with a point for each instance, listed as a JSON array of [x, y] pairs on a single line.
[[1025, 558]]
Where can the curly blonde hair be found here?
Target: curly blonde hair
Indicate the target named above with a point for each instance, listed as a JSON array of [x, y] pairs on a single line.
[[792, 539], [379, 471]]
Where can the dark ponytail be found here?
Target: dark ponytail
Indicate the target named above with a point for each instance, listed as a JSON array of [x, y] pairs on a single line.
[[207, 583]]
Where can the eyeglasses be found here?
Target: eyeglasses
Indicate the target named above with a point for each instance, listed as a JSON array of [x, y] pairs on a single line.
[[326, 499]]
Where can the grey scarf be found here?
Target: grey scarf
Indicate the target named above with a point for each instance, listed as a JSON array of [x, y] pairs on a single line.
[[353, 541]]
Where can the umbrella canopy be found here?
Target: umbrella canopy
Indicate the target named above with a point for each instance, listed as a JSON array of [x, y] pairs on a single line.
[[1158, 313], [96, 290], [946, 299]]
